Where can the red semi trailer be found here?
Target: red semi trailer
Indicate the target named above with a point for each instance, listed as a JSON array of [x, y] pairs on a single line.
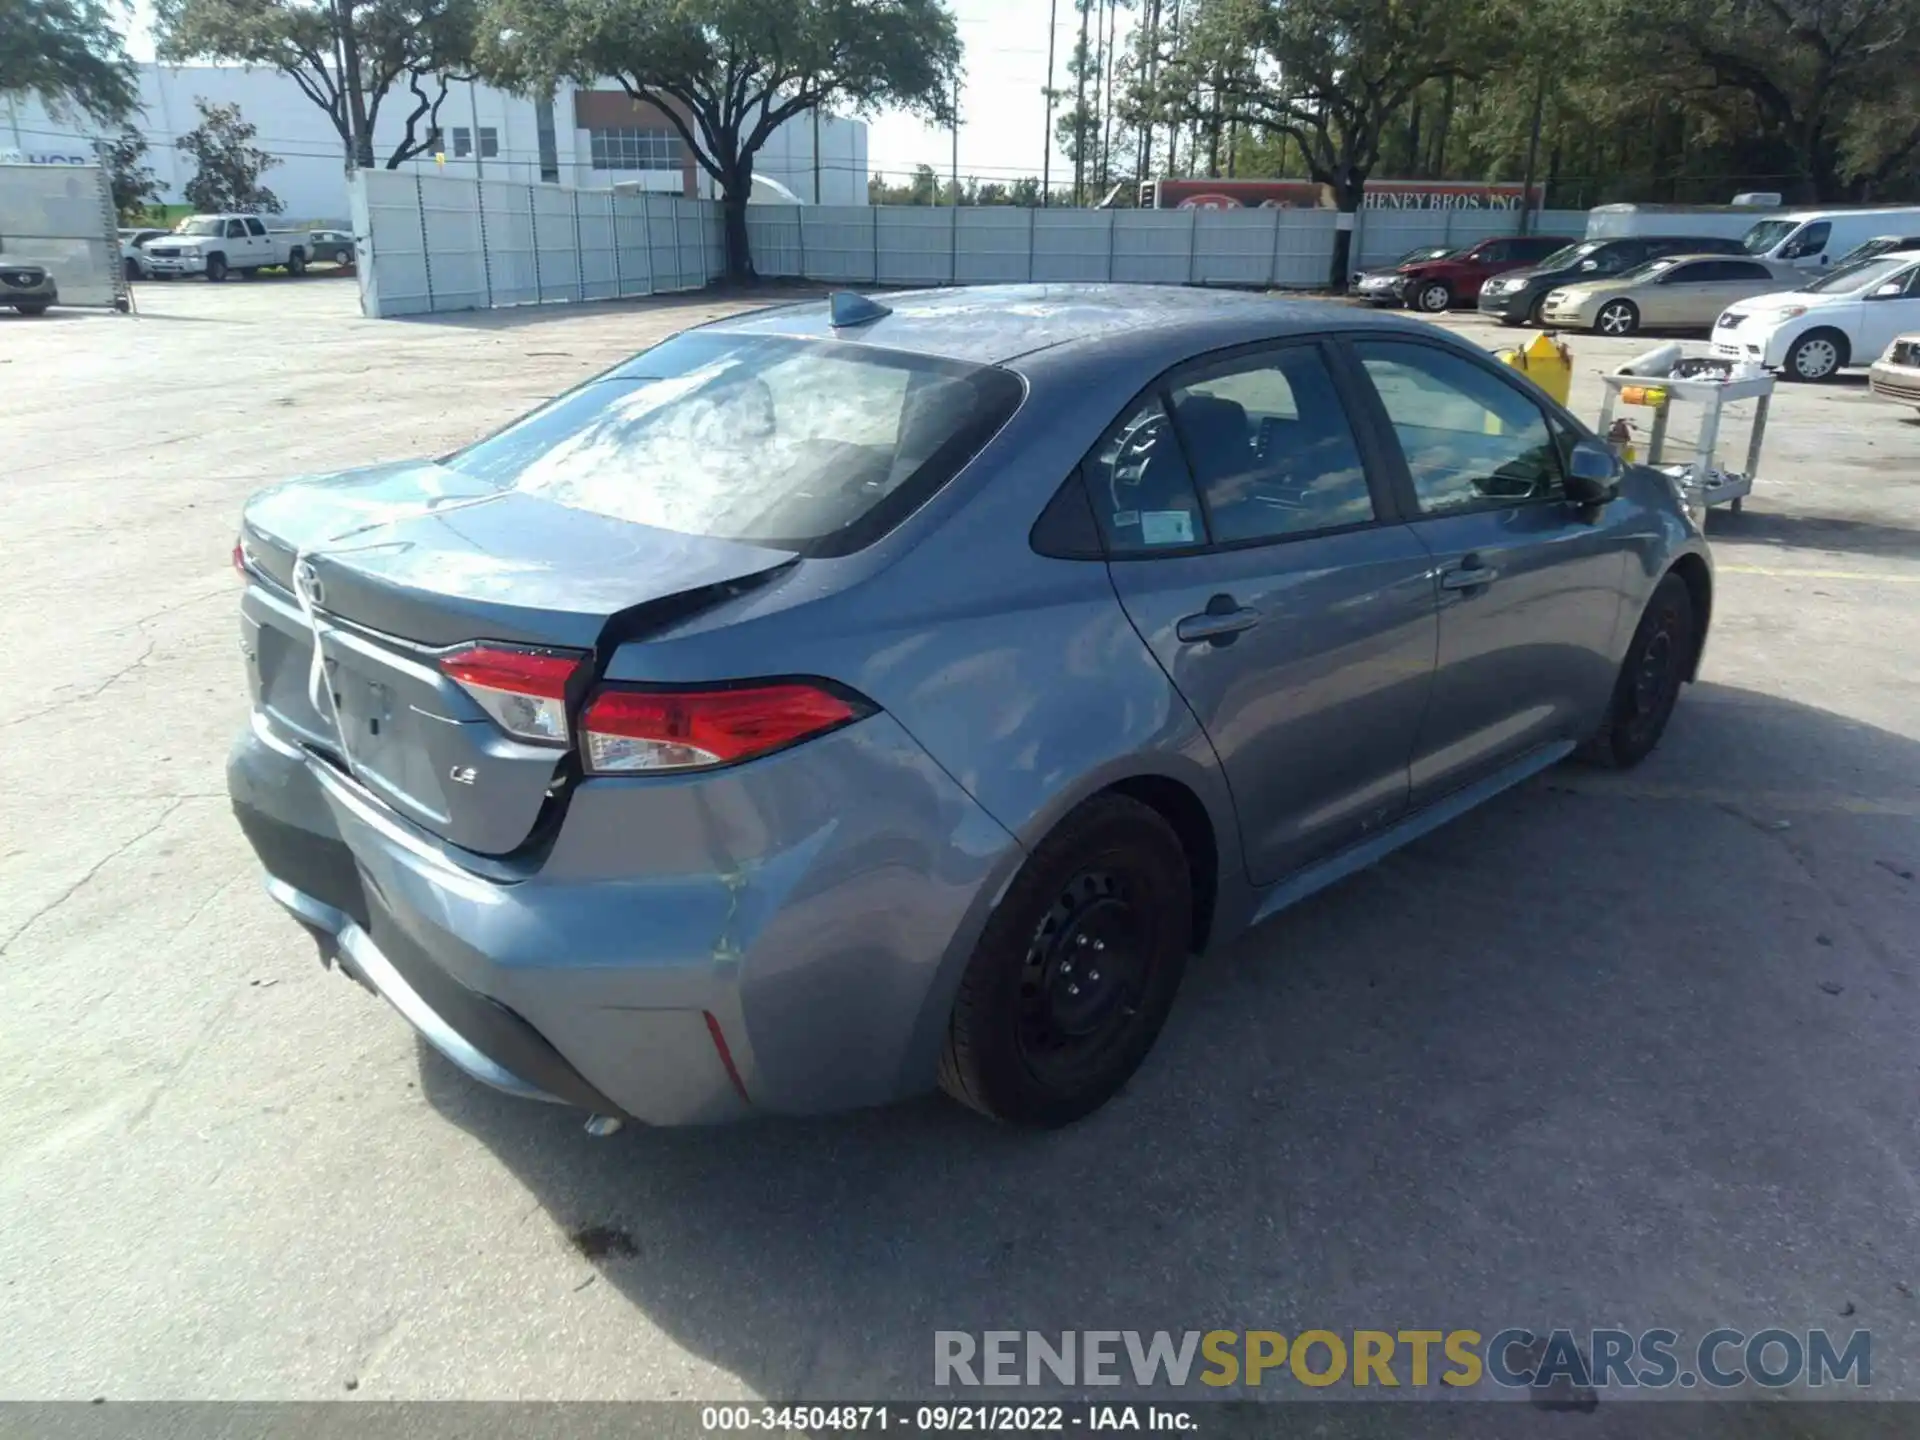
[[1308, 195]]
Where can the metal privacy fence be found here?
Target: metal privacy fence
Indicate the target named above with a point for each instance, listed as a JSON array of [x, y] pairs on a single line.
[[1283, 249], [61, 217], [431, 243]]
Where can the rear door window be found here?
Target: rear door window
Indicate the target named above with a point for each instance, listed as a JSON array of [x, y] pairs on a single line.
[[1142, 491], [816, 446]]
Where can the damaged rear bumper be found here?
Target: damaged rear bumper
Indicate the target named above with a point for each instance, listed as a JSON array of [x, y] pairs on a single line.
[[784, 937]]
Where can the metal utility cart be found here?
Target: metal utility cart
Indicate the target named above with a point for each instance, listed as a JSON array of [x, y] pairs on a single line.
[[1706, 483]]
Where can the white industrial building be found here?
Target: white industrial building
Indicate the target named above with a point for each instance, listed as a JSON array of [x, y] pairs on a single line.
[[586, 137]]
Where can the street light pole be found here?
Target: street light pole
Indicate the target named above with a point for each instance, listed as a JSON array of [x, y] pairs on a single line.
[[1046, 140]]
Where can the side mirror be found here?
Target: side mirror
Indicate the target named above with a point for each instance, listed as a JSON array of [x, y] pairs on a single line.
[[1589, 264], [1593, 473], [1890, 291]]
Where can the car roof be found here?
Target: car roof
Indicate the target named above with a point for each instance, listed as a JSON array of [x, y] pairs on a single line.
[[991, 324]]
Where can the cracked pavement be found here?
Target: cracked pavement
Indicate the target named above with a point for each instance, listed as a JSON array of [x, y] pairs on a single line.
[[1616, 1050]]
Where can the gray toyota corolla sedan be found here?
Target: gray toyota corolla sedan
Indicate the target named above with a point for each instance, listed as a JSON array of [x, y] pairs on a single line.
[[845, 698]]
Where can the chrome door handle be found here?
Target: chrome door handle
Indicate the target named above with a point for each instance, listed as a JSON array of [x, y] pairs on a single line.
[[1468, 577], [1217, 625]]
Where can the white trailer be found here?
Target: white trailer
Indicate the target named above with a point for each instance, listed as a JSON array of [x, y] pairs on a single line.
[[60, 218], [1628, 222]]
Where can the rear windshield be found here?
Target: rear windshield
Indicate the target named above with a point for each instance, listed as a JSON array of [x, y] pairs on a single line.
[[816, 446]]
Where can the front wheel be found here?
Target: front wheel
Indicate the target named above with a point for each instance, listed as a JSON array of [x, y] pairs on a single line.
[[1618, 318], [217, 269], [1433, 297], [1076, 970], [1817, 355], [1650, 679], [32, 307]]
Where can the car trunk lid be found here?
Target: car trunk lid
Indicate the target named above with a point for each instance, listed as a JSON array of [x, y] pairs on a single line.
[[372, 578]]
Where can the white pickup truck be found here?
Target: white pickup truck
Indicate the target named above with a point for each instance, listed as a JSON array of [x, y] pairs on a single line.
[[221, 245]]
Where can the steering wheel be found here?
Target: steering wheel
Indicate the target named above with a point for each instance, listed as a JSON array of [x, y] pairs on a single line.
[[1134, 452]]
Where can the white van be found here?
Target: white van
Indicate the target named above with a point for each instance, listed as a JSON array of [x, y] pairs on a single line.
[[1637, 222], [1814, 239]]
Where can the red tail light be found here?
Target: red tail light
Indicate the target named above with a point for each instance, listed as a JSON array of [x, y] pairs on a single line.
[[240, 559], [650, 731], [524, 690]]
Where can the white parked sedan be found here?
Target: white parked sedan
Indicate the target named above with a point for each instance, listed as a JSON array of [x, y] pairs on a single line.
[[1845, 318]]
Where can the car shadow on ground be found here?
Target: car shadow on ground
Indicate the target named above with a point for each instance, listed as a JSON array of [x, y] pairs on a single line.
[[1461, 1089], [1815, 532]]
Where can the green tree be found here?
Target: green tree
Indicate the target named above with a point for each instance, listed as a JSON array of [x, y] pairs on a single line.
[[227, 165], [134, 187], [418, 47], [1331, 76], [1833, 84], [68, 53], [728, 73]]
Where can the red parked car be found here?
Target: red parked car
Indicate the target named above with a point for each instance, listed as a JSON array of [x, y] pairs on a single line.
[[1435, 277]]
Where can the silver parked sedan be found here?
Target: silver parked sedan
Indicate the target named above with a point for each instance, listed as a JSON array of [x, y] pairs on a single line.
[[847, 697]]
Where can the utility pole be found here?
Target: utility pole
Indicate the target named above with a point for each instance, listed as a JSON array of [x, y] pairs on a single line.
[[1533, 151], [1081, 57], [1152, 67], [816, 154], [954, 179], [1046, 141], [473, 117], [1106, 115], [1173, 124]]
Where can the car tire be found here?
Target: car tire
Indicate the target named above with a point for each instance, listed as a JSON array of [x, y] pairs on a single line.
[[1656, 666], [1537, 313], [32, 307], [1433, 297], [216, 269], [1817, 355], [1616, 319], [1026, 1043], [131, 269], [297, 264]]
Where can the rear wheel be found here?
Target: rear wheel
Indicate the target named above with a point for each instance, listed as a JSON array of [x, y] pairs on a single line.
[[1650, 678], [1433, 297], [297, 263], [1617, 318], [1076, 970], [1817, 355]]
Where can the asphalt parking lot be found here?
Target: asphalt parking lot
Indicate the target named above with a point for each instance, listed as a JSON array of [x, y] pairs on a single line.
[[1631, 1050]]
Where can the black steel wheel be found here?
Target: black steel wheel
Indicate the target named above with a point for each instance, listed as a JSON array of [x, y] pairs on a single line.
[[1657, 665], [1076, 970]]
